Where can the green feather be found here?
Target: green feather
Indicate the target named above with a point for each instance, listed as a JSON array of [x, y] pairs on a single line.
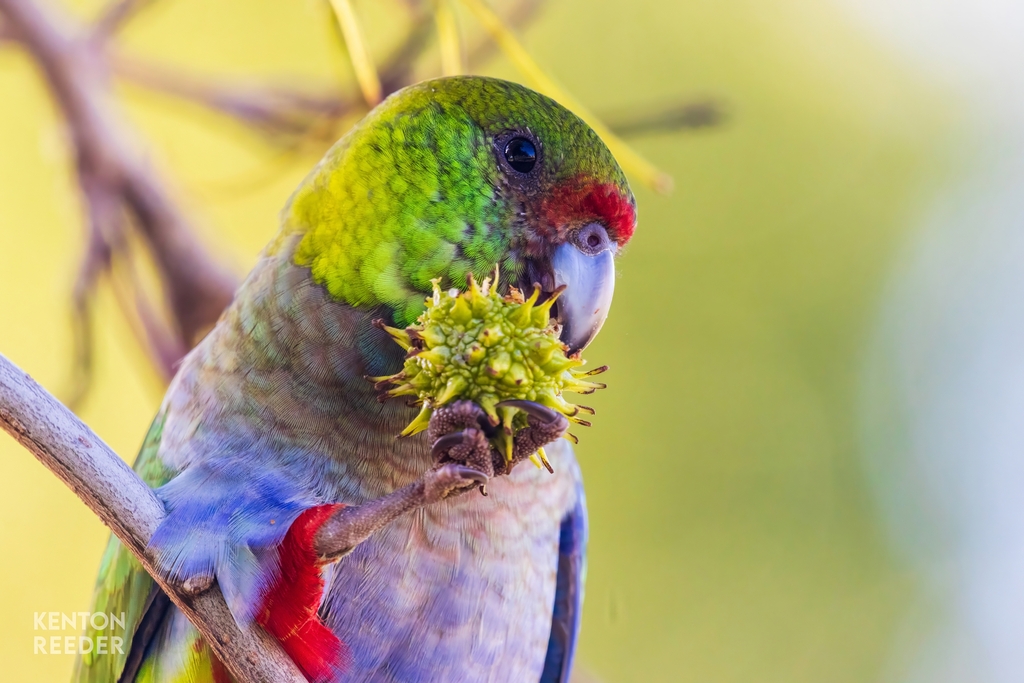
[[123, 585], [414, 191]]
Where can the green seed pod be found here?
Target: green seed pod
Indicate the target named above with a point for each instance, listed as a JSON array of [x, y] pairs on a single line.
[[487, 348]]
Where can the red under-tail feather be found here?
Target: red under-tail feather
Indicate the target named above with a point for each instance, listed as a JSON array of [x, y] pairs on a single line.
[[289, 610]]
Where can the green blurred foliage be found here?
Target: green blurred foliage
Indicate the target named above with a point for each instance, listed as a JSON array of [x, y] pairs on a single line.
[[732, 535]]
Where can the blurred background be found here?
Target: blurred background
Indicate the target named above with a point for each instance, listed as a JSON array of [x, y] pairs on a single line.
[[808, 465]]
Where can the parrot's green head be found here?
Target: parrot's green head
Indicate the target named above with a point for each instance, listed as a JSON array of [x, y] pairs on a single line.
[[453, 176]]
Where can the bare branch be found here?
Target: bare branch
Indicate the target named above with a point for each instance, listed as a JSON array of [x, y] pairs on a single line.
[[358, 55], [683, 115], [279, 114], [115, 16], [197, 287], [149, 327], [287, 116], [69, 449], [103, 215], [520, 14]]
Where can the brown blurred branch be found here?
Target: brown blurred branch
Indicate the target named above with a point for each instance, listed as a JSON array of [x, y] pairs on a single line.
[[69, 449], [121, 191], [291, 118], [97, 259], [684, 115], [123, 195], [115, 16], [287, 116], [280, 115]]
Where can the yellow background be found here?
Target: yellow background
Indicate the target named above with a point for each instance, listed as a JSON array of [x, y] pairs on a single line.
[[733, 538]]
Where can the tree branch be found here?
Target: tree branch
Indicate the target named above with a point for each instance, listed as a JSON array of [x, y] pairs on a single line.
[[669, 118], [197, 287], [115, 16], [71, 450], [283, 115]]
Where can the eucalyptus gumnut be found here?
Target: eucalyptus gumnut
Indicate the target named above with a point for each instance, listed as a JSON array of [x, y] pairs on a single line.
[[487, 348]]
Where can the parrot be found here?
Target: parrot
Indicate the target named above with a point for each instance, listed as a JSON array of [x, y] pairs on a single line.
[[372, 558]]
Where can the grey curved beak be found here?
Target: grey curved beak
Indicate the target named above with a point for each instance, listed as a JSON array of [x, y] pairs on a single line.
[[590, 284]]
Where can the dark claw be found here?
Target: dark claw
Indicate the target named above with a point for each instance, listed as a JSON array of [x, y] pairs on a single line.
[[446, 443], [451, 480], [546, 415], [469, 473]]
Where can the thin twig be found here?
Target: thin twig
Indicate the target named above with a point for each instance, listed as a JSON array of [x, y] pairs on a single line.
[[671, 118], [197, 287], [279, 114], [516, 18], [358, 54], [69, 449], [449, 39], [104, 218], [631, 161], [148, 326], [115, 16], [284, 115]]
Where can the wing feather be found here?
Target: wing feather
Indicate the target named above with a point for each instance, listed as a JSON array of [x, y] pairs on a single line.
[[123, 586], [565, 619]]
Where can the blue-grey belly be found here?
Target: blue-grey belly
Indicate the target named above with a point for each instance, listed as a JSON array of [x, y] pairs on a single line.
[[461, 591]]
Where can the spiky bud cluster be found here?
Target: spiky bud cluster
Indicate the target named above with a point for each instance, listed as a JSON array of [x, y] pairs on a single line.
[[487, 348]]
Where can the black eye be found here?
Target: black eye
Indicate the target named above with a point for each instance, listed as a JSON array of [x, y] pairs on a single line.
[[521, 154]]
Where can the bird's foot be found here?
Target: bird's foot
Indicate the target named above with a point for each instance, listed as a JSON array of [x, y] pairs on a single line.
[[450, 480], [350, 525], [460, 433], [543, 426], [194, 584], [464, 459]]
